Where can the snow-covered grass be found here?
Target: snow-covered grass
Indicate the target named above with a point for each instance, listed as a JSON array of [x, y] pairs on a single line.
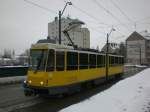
[[129, 95], [11, 80]]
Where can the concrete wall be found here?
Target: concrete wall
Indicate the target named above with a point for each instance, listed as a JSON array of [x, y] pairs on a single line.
[[13, 71]]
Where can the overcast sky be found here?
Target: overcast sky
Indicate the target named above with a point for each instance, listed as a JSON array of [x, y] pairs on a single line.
[[22, 24]]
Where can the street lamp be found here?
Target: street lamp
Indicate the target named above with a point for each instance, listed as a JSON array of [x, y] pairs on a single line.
[[107, 52], [60, 14]]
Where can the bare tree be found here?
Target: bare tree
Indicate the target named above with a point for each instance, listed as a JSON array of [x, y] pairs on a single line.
[[7, 54]]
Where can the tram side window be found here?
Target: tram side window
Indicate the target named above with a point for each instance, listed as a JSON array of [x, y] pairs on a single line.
[[104, 60], [92, 61], [122, 60], [112, 60], [83, 61], [59, 60], [116, 60], [72, 61], [100, 61], [50, 62]]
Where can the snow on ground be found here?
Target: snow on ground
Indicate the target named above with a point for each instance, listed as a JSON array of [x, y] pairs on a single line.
[[13, 66], [138, 66], [10, 80], [141, 66], [129, 95]]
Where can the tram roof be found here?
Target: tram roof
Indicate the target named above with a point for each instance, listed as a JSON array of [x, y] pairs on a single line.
[[58, 47]]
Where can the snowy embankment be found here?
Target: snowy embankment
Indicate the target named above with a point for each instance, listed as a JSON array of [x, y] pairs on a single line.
[[138, 66], [129, 95], [11, 80]]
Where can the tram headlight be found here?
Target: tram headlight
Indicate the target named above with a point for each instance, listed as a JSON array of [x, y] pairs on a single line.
[[30, 81], [41, 82]]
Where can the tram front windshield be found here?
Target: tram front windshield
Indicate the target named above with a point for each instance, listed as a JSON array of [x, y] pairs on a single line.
[[38, 60]]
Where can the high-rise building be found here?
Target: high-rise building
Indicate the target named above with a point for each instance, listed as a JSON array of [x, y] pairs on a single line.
[[79, 35]]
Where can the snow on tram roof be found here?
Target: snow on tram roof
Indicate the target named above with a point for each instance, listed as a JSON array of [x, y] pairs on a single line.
[[49, 46]]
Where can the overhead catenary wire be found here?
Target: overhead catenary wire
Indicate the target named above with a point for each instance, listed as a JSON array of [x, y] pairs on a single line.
[[94, 19], [143, 19], [79, 9], [52, 11], [122, 12], [89, 15], [95, 29], [42, 7], [111, 14]]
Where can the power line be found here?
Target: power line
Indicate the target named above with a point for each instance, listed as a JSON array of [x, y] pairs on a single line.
[[107, 11], [91, 16], [143, 19], [52, 11], [95, 29], [121, 11], [44, 8], [98, 30]]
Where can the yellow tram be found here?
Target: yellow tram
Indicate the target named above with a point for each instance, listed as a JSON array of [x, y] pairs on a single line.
[[58, 69]]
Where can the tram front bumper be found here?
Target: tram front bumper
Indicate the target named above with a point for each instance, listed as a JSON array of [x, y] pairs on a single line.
[[45, 90]]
